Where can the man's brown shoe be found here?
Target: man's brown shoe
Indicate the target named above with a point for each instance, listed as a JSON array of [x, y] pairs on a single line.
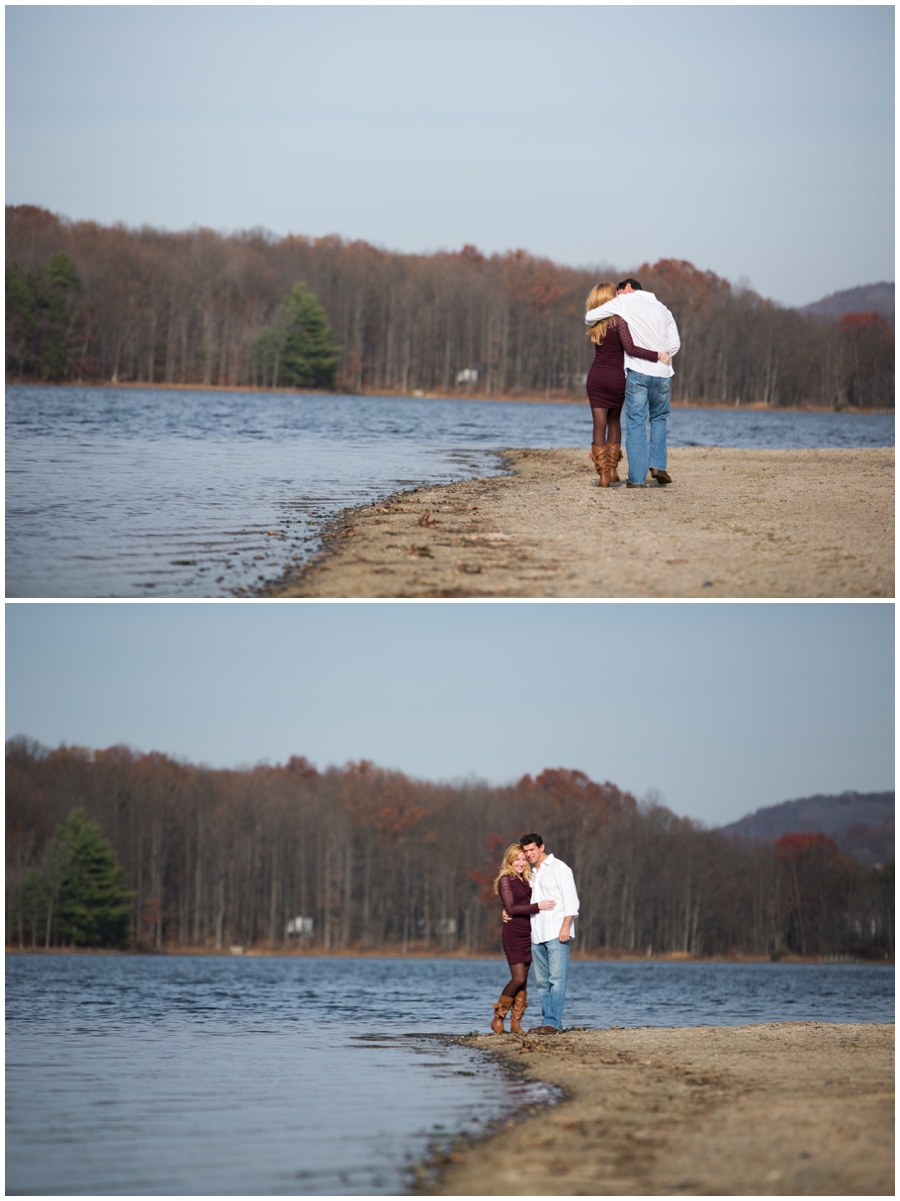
[[661, 476], [543, 1030]]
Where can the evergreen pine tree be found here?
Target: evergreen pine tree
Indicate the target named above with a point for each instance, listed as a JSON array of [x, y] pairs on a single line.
[[94, 899], [311, 352], [22, 341], [301, 350], [59, 314], [41, 310]]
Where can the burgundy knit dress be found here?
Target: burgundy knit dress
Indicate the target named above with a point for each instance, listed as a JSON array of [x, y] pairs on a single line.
[[606, 378], [515, 894]]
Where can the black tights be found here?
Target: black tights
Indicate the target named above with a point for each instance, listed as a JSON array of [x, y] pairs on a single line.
[[519, 978], [607, 425]]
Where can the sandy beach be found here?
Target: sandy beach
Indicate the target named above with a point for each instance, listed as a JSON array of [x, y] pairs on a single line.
[[734, 523], [801, 1108]]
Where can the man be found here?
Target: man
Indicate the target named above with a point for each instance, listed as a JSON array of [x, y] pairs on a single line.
[[551, 929], [652, 327]]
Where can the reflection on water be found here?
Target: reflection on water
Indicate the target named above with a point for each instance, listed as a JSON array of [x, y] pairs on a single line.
[[148, 492], [201, 1075]]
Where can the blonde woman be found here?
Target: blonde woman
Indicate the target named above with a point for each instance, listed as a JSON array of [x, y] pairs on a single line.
[[514, 891], [606, 383]]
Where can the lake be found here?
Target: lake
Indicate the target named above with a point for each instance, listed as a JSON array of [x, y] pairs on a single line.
[[214, 1075], [166, 493]]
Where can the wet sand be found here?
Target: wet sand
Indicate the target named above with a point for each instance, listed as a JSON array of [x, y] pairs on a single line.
[[800, 1108], [734, 523]]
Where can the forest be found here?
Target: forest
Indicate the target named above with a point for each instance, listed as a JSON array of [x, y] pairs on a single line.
[[113, 847], [88, 303]]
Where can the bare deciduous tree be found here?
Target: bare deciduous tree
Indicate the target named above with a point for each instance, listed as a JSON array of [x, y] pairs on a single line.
[[372, 859], [188, 308]]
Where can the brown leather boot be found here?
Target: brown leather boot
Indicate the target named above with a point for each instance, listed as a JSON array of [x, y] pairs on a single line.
[[520, 1004], [501, 1009], [598, 456], [615, 453], [607, 466]]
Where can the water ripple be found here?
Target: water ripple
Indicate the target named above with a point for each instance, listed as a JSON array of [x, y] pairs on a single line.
[[216, 1075], [156, 493]]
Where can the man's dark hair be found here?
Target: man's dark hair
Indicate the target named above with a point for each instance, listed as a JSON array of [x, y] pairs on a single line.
[[528, 839], [624, 284]]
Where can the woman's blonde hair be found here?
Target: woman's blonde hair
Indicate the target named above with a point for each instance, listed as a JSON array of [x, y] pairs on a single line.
[[507, 869], [600, 293]]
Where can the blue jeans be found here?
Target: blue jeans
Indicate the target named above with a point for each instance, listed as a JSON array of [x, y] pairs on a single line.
[[645, 396], [551, 968]]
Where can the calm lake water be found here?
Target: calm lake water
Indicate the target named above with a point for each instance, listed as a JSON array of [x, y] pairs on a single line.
[[198, 1075], [156, 493]]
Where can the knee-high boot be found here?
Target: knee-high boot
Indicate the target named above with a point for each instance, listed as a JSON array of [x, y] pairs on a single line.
[[615, 455], [603, 462], [520, 1004], [501, 1009]]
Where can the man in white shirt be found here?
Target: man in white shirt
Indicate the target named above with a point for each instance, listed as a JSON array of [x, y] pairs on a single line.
[[652, 327], [551, 929]]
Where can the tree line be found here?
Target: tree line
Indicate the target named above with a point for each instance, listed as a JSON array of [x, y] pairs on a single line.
[[361, 859], [203, 308]]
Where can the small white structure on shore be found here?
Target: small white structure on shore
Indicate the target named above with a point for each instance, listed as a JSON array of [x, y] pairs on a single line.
[[469, 375], [303, 926]]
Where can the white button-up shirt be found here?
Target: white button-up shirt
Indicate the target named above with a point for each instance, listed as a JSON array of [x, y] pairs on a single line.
[[552, 881], [651, 324]]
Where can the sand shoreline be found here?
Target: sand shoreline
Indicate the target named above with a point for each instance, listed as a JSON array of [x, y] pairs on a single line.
[[802, 1108], [734, 523]]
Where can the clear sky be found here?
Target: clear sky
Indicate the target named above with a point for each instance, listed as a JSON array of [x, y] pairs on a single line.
[[755, 141], [722, 708]]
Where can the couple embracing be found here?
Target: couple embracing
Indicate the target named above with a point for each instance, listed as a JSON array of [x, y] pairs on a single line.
[[540, 905], [635, 337]]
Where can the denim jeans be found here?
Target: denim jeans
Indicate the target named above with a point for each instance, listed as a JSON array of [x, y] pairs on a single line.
[[551, 968], [645, 396]]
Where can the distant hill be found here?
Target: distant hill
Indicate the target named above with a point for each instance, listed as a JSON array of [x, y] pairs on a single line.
[[861, 823], [870, 298]]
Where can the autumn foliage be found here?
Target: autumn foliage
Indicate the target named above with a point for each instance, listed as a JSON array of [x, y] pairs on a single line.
[[202, 308], [375, 860]]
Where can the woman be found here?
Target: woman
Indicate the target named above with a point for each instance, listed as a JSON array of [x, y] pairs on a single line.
[[514, 891], [606, 383]]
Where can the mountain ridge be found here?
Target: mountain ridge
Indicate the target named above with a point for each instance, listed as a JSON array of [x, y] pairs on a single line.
[[861, 823], [868, 298]]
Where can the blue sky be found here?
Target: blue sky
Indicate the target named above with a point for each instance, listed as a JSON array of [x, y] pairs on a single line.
[[722, 708], [755, 141]]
